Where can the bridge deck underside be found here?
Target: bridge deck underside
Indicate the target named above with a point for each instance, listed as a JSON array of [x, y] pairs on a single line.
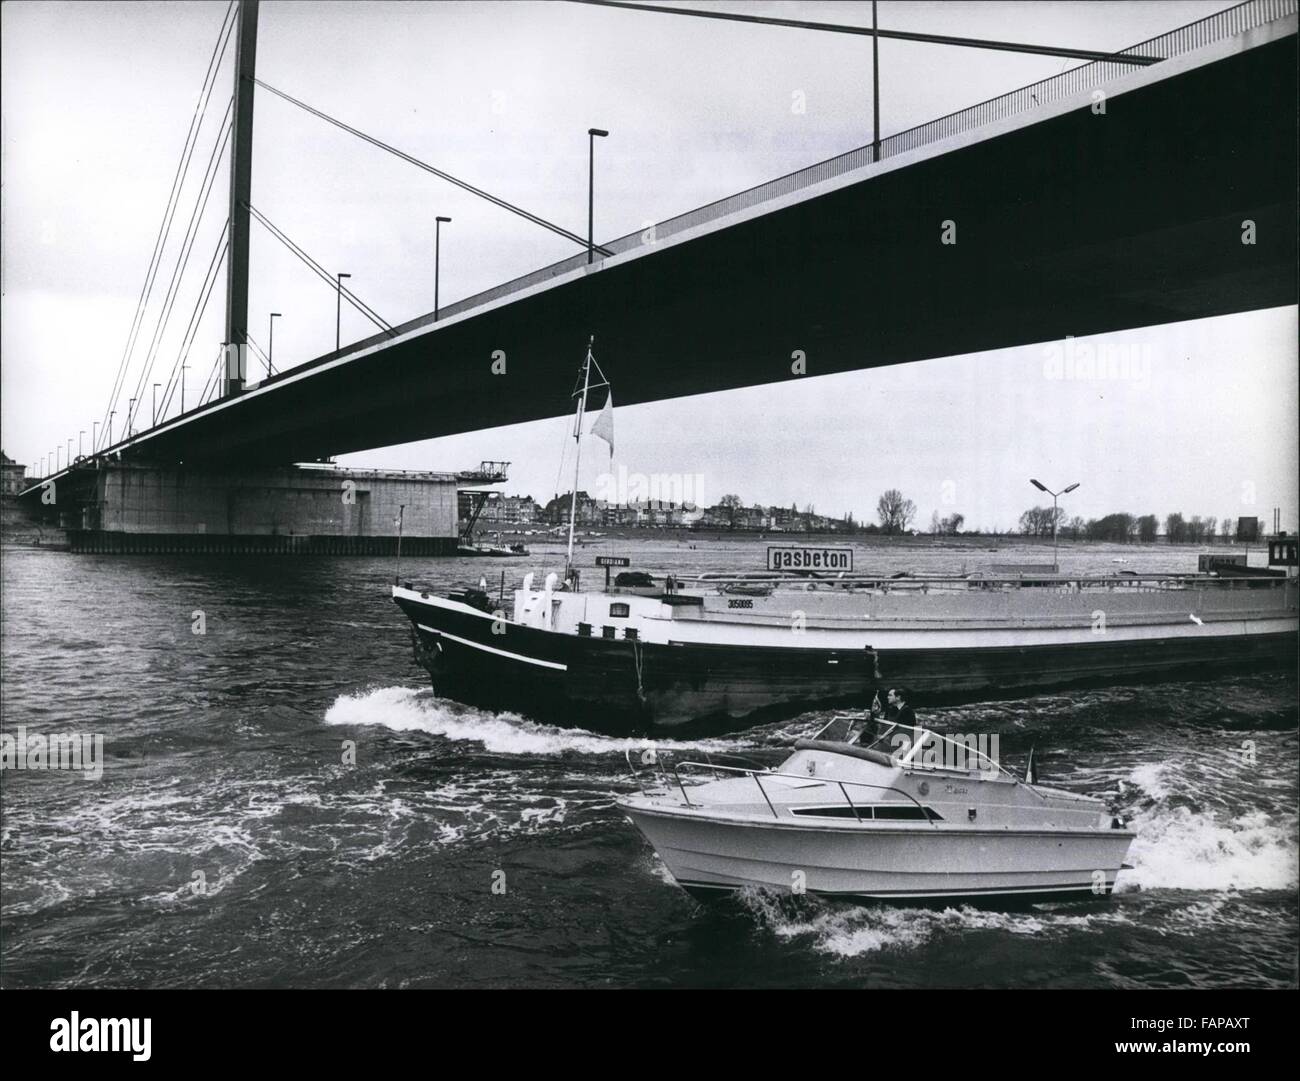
[[1077, 225]]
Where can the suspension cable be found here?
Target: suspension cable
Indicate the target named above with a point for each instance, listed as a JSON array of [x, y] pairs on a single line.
[[196, 317], [187, 246], [527, 215], [164, 227], [321, 272], [214, 377], [899, 35]]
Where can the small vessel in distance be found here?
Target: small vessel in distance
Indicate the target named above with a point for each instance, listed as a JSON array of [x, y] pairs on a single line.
[[499, 551], [872, 822]]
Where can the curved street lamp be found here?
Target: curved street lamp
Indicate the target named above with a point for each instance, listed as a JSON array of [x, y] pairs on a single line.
[[1056, 566]]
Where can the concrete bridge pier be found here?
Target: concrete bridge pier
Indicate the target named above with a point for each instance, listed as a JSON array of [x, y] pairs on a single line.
[[127, 507]]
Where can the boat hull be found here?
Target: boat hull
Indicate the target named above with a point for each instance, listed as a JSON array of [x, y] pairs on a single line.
[[623, 686], [700, 670], [936, 675], [707, 855]]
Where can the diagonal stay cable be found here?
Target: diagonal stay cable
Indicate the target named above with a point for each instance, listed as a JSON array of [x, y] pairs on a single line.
[[496, 200], [214, 377], [164, 227], [321, 272], [187, 246], [260, 352], [196, 316], [1134, 59]]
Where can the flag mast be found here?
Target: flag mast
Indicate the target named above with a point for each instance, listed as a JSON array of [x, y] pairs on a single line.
[[577, 457]]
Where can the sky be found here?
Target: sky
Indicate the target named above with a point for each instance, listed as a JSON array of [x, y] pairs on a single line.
[[97, 99]]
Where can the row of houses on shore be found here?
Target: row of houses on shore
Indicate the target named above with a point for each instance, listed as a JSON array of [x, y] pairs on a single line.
[[523, 512]]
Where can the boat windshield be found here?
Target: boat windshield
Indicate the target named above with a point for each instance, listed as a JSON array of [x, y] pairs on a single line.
[[874, 733], [901, 742]]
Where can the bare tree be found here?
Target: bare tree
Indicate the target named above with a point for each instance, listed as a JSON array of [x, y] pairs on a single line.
[[895, 512], [1038, 521]]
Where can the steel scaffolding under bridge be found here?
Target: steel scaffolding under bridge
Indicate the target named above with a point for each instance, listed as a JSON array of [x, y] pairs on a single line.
[[1068, 222]]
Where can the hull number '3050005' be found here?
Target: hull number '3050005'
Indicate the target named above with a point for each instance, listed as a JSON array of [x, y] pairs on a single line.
[[809, 559]]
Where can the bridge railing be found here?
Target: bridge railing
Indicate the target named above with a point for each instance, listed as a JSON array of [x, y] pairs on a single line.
[[1089, 76]]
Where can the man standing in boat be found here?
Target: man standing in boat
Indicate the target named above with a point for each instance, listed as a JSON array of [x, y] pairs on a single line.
[[897, 710]]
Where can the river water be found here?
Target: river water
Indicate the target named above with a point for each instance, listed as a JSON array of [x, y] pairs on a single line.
[[229, 841]]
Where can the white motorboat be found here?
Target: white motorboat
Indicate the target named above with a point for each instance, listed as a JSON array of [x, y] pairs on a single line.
[[878, 821]]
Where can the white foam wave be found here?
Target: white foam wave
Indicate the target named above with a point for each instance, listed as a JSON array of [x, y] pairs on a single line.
[[1177, 848], [404, 709], [845, 930]]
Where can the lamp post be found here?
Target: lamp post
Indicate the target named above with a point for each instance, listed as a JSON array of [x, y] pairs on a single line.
[[94, 436], [155, 405], [1056, 566], [68, 461], [338, 314], [81, 450], [437, 256], [184, 368], [130, 416], [270, 343], [592, 134], [111, 414], [875, 85]]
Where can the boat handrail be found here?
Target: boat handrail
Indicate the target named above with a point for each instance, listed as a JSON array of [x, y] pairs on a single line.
[[971, 579], [757, 774]]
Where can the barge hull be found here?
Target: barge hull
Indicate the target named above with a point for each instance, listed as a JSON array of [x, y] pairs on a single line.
[[623, 686]]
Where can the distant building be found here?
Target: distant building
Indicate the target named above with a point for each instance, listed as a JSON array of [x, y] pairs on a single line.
[[649, 512], [511, 510], [13, 477], [587, 511]]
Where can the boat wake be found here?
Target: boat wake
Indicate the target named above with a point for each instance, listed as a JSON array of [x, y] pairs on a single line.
[[844, 930], [1203, 846], [405, 709]]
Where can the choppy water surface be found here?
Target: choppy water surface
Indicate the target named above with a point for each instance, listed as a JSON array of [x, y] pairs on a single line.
[[225, 766]]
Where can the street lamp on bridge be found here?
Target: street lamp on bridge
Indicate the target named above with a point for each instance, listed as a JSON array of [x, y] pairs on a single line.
[[80, 449], [270, 343], [592, 134], [437, 253], [155, 405], [338, 314], [130, 416], [1056, 566], [111, 414]]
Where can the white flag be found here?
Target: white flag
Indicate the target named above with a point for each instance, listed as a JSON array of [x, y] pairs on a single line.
[[603, 426]]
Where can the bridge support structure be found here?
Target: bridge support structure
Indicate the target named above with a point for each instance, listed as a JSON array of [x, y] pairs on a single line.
[[241, 191], [137, 507]]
